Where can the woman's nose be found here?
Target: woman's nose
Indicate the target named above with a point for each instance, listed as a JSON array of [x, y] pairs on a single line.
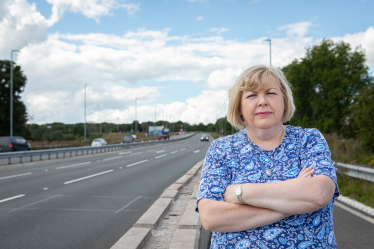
[[262, 100]]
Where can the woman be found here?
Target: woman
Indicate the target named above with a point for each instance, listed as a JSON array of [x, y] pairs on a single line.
[[269, 185]]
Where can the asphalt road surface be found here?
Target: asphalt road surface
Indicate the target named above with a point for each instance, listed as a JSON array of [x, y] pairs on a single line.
[[88, 201], [91, 201]]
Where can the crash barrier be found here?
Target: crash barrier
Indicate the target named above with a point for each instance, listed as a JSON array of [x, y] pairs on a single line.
[[85, 150], [356, 171], [171, 222]]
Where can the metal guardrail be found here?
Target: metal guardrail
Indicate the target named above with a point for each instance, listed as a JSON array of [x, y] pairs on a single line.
[[356, 171], [85, 150]]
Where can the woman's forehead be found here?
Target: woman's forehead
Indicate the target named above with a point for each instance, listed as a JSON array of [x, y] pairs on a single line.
[[263, 84]]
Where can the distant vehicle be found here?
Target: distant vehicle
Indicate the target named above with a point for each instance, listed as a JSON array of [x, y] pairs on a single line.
[[9, 144], [176, 133], [135, 137], [98, 142], [163, 137], [204, 137], [128, 139]]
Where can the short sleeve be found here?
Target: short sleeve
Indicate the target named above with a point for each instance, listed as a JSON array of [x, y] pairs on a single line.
[[214, 176], [315, 152]]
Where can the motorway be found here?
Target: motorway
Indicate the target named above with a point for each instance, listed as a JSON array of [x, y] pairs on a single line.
[[88, 201], [91, 201]]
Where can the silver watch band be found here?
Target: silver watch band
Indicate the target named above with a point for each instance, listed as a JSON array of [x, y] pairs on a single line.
[[240, 196]]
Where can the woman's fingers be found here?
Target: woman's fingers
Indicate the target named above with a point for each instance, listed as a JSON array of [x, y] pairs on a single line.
[[306, 172]]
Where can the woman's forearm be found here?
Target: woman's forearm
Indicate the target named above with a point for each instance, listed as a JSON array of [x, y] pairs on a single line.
[[221, 216], [296, 196]]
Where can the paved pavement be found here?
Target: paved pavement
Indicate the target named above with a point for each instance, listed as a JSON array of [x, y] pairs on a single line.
[[88, 201]]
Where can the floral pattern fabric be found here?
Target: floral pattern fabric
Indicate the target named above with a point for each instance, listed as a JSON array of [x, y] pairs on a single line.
[[235, 159]]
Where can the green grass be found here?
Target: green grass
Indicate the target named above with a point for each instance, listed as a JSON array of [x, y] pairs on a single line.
[[360, 190], [349, 151]]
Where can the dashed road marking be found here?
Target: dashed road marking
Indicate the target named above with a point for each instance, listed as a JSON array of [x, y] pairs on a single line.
[[137, 163], [74, 165], [161, 156], [86, 177], [160, 151], [11, 198], [196, 151], [182, 149], [6, 177], [123, 153], [112, 158], [133, 154], [173, 152]]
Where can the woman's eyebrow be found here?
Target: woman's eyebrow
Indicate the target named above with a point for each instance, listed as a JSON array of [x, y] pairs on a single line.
[[271, 88]]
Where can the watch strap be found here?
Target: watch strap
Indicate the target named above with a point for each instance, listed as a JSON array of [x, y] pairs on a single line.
[[240, 196]]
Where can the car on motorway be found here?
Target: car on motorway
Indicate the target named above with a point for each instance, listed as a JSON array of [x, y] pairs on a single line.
[[163, 137], [97, 142], [9, 144], [129, 139], [204, 137], [176, 133]]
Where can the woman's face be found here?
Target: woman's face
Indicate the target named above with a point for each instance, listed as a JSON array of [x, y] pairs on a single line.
[[263, 108]]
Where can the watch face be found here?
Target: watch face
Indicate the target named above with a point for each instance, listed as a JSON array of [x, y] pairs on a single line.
[[238, 191]]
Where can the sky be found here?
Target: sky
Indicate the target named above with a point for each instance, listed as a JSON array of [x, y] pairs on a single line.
[[176, 59]]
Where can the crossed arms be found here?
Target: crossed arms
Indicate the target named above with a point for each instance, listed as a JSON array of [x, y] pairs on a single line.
[[267, 202]]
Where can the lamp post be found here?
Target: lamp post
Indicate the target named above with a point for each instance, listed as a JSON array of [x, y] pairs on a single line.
[[154, 129], [269, 40], [85, 85], [11, 92], [135, 115], [117, 124]]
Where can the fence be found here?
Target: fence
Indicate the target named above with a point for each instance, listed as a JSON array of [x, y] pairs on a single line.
[[85, 150], [356, 171]]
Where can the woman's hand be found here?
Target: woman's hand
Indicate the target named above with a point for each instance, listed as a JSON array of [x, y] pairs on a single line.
[[306, 172], [229, 195]]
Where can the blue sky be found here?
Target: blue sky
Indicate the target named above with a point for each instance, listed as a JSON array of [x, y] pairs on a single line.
[[181, 56]]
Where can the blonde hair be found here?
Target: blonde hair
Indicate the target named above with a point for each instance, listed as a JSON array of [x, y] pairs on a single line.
[[250, 80]]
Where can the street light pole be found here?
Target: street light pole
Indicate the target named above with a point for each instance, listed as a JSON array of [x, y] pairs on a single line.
[[117, 124], [135, 115], [85, 85], [154, 128], [269, 40], [11, 92]]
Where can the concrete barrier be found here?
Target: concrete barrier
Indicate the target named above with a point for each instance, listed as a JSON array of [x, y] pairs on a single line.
[[186, 234]]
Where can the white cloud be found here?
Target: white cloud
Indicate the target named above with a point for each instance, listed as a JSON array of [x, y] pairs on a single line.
[[223, 79], [298, 29], [199, 18], [365, 39], [219, 31], [90, 8]]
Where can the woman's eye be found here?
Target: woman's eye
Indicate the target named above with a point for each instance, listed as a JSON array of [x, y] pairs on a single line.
[[272, 93], [252, 95]]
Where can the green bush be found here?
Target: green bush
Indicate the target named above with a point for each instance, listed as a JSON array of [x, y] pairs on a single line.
[[55, 136], [69, 137]]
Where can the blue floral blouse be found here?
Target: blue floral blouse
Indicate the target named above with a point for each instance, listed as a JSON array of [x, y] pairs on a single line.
[[235, 159]]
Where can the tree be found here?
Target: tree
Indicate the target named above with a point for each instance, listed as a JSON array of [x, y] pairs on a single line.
[[363, 116], [324, 83], [19, 109]]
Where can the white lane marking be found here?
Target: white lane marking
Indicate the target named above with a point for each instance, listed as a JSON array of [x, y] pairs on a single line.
[[137, 163], [34, 203], [11, 198], [161, 156], [354, 212], [182, 149], [112, 158], [123, 153], [150, 150], [74, 165], [196, 151], [136, 153], [86, 177], [173, 152], [128, 204], [160, 151], [6, 177]]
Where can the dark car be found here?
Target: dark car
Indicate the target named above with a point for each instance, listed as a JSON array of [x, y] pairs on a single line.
[[129, 139], [163, 137], [8, 144], [204, 137]]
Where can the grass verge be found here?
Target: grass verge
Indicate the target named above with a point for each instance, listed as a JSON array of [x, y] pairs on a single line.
[[360, 190]]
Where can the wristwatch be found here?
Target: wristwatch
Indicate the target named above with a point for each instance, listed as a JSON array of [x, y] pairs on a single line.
[[238, 193]]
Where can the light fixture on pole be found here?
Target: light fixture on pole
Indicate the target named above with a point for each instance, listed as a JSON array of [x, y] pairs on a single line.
[[269, 40], [85, 131], [11, 92]]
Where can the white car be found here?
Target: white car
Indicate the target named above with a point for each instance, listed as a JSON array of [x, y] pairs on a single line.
[[98, 142]]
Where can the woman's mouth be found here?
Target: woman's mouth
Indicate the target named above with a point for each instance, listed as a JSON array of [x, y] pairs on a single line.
[[263, 113]]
